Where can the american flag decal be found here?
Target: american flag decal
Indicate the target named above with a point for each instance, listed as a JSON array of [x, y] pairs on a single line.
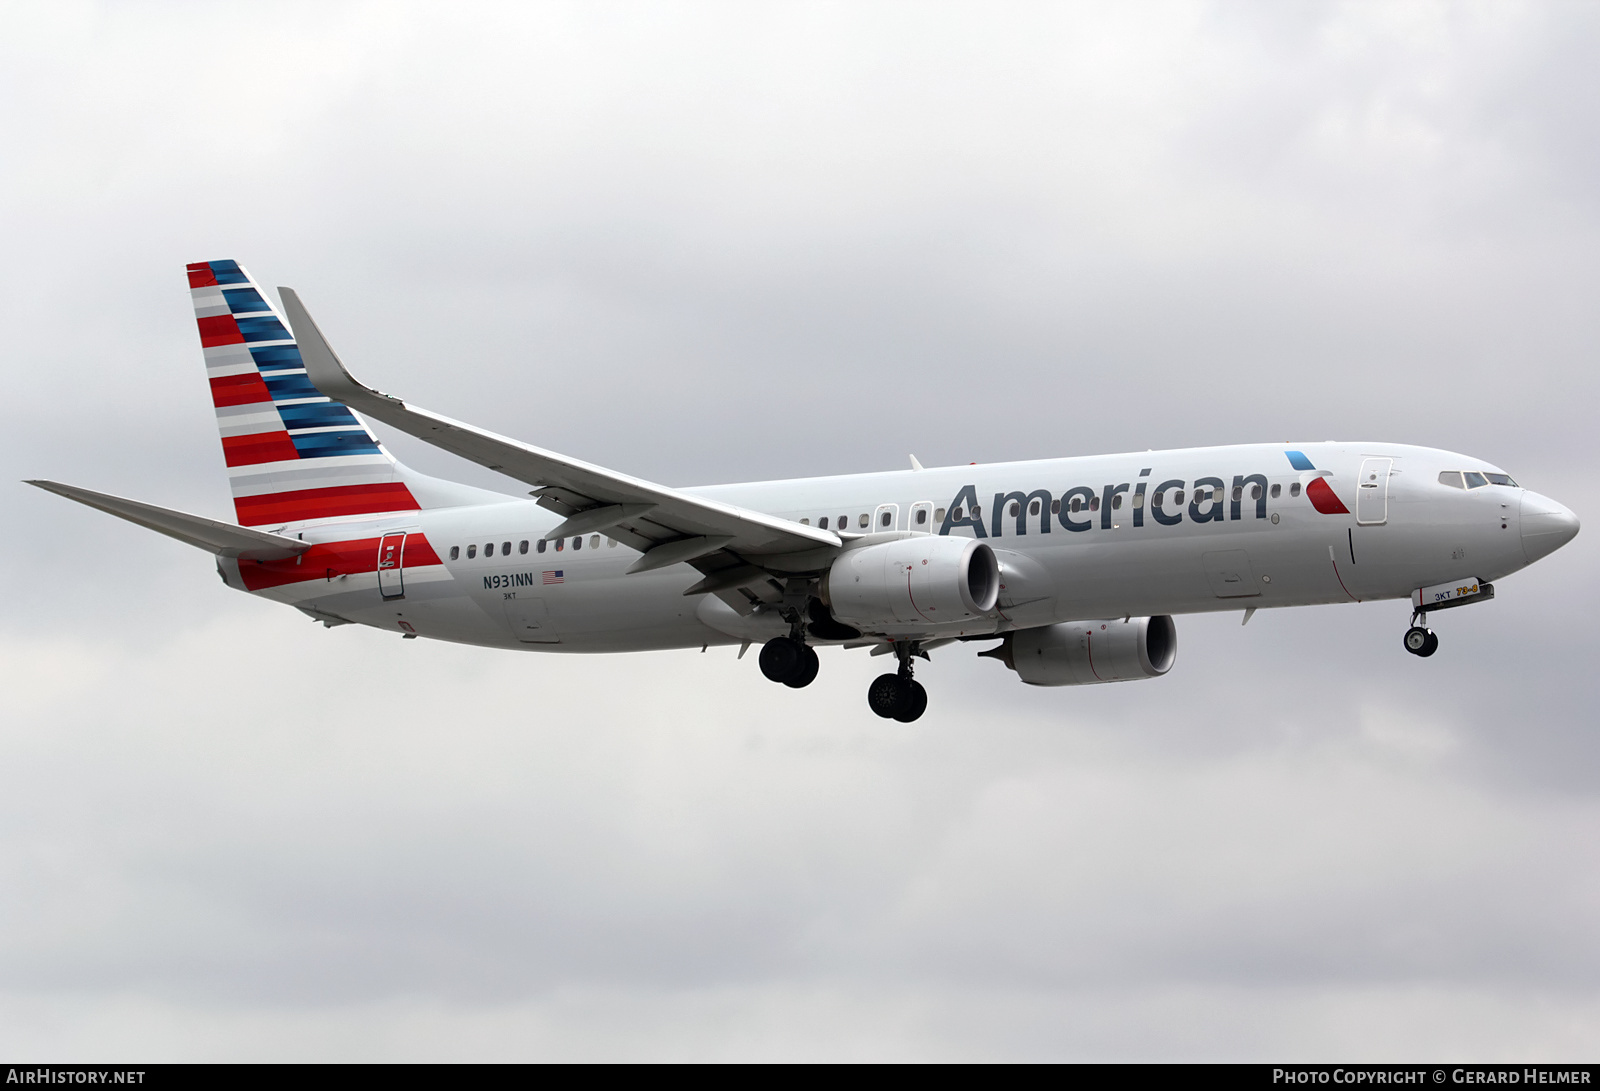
[[552, 576]]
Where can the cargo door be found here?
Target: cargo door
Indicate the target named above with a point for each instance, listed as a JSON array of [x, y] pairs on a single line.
[[391, 566], [529, 619], [1372, 492], [1229, 573]]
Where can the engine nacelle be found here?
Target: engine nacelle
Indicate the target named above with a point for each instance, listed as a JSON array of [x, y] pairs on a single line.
[[922, 580], [1082, 653]]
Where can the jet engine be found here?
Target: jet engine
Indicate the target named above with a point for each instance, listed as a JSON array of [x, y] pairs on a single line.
[[922, 580], [1082, 653]]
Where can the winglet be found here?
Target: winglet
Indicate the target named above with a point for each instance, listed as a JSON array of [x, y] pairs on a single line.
[[915, 465], [323, 367]]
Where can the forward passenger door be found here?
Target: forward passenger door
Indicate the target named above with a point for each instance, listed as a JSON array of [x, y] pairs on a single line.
[[1372, 492]]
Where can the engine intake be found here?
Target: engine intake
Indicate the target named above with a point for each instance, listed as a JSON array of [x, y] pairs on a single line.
[[1083, 653], [921, 580]]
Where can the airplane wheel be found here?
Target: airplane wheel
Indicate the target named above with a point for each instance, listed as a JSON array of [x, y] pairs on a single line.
[[916, 701], [1421, 642], [887, 696], [806, 672], [781, 658]]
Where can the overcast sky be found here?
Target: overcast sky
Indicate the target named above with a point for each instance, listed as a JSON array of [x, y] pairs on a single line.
[[714, 242]]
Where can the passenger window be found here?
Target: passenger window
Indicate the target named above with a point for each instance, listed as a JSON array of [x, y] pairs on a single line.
[[561, 543], [938, 515], [1161, 498], [822, 524], [577, 543], [472, 551], [1500, 479], [1033, 508], [1474, 479], [611, 543], [488, 549], [539, 548], [1055, 507], [1255, 492], [594, 541], [1014, 509], [959, 513], [844, 522], [883, 520], [505, 549], [1138, 500], [1077, 504], [1216, 494], [865, 521], [455, 553], [1294, 490], [1238, 492], [1277, 491], [1177, 497], [522, 546], [922, 516], [1116, 502], [805, 522], [1094, 503]]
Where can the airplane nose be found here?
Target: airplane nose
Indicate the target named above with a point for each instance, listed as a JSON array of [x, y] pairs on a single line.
[[1546, 526]]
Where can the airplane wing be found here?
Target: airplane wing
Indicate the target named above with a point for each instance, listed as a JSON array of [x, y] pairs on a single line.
[[223, 539], [725, 542]]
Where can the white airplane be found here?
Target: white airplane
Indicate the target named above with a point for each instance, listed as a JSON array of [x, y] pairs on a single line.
[[1075, 565]]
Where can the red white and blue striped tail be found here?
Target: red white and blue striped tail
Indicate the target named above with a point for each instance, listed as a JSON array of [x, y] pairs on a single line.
[[293, 455]]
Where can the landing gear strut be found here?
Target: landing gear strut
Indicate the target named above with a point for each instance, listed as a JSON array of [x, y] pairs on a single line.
[[898, 696], [1420, 640]]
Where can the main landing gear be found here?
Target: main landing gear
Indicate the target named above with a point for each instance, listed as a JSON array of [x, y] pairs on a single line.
[[792, 662], [1419, 639], [898, 696], [789, 660]]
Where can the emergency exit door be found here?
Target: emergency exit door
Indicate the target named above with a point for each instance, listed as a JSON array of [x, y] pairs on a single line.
[[1372, 492], [391, 566]]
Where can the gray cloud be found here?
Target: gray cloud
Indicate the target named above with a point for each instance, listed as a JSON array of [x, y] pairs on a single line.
[[718, 242]]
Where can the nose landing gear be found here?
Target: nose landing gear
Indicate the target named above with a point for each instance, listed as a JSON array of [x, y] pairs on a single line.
[[898, 696], [1419, 640]]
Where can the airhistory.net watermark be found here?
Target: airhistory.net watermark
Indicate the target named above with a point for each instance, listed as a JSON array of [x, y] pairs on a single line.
[[50, 1074]]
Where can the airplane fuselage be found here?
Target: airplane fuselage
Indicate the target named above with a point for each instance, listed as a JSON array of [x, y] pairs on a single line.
[[1150, 533]]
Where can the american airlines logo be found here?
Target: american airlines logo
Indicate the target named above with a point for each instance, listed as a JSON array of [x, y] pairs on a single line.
[[1209, 500]]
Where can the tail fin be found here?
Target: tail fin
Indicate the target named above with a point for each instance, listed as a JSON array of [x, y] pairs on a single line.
[[292, 453]]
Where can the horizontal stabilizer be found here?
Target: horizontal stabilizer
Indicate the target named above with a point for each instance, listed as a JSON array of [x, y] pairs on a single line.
[[211, 535]]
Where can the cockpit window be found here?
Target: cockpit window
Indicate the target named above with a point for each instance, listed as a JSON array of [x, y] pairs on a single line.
[[1451, 478], [1474, 479], [1500, 479]]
